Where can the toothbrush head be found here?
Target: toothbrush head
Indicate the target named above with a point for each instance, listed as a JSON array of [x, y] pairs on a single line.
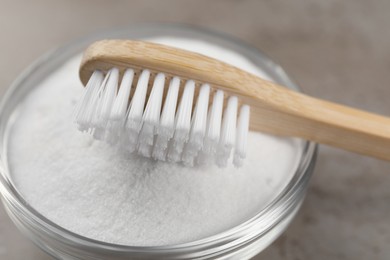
[[142, 97]]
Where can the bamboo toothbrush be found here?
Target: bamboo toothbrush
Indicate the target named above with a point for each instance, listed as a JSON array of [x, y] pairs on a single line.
[[172, 126]]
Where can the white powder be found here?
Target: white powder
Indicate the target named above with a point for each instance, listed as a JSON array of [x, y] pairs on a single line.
[[90, 188]]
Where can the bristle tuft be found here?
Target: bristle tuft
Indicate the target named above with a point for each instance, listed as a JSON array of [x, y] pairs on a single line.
[[85, 106], [183, 122], [242, 136], [228, 132], [156, 126], [151, 116]]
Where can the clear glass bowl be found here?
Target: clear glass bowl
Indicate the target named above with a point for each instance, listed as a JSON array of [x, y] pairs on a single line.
[[240, 242]]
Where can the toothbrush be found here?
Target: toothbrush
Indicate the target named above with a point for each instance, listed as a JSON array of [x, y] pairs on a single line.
[[175, 105]]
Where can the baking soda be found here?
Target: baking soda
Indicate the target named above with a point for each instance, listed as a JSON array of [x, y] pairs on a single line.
[[98, 191]]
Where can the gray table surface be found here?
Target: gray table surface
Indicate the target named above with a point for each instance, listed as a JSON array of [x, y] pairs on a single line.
[[336, 50]]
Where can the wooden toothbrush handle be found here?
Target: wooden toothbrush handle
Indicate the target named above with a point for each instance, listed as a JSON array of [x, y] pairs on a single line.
[[324, 122], [274, 109]]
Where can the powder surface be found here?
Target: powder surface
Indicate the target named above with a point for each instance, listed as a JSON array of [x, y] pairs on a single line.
[[92, 189]]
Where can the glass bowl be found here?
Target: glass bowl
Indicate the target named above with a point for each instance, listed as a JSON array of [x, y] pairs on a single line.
[[240, 242]]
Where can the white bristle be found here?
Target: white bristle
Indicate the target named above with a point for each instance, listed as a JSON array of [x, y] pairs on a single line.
[[119, 108], [134, 118], [85, 105], [106, 100], [161, 129], [214, 122], [138, 101], [166, 127], [167, 123], [109, 95], [198, 126], [242, 136], [213, 129], [228, 132], [151, 116], [183, 122], [91, 109], [96, 122]]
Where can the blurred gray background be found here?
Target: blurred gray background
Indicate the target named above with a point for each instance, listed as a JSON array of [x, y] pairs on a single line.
[[336, 50]]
